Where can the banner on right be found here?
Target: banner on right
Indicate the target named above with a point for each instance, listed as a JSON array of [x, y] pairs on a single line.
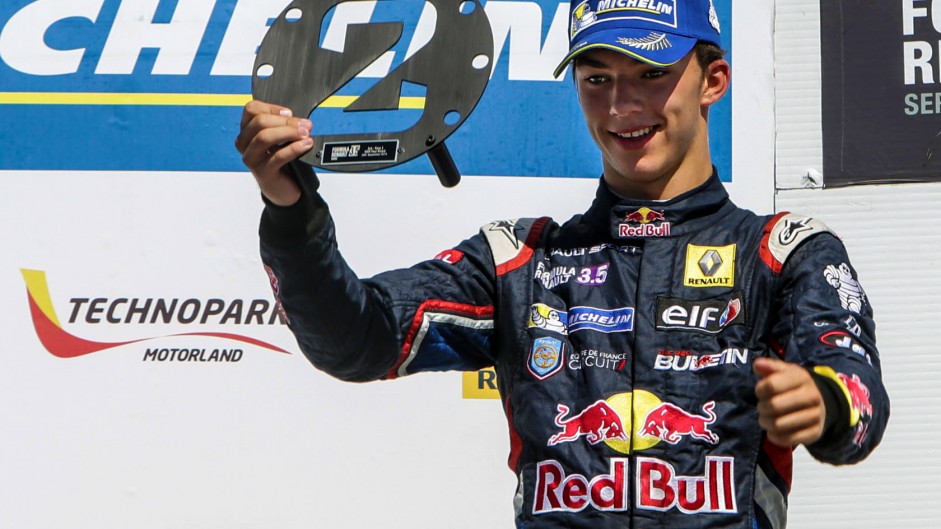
[[881, 74]]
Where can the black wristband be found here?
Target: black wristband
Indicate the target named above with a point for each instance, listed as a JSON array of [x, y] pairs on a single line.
[[837, 422]]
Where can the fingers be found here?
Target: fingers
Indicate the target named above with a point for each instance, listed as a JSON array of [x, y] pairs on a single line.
[[254, 108], [265, 127], [274, 140], [270, 137], [764, 366], [791, 411], [793, 429], [790, 407]]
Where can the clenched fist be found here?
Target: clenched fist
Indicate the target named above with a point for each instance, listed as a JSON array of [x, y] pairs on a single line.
[[790, 406]]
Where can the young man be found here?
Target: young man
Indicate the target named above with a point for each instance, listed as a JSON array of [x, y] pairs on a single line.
[[659, 356]]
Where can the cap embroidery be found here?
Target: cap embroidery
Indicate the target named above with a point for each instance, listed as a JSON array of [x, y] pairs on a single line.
[[582, 17], [654, 41], [714, 17]]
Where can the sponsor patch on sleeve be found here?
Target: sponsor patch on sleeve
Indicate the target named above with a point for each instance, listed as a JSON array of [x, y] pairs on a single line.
[[784, 234], [450, 256], [851, 293]]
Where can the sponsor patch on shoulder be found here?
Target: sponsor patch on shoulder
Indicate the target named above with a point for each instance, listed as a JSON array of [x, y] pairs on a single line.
[[511, 241], [784, 234]]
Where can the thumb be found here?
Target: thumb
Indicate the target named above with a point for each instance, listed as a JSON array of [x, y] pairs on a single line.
[[765, 366]]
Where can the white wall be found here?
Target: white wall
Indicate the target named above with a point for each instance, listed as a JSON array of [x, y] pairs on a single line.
[[892, 234]]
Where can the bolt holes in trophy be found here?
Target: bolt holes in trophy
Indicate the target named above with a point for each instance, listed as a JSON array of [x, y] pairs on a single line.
[[452, 69]]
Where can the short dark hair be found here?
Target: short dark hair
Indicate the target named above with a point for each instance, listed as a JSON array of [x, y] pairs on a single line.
[[707, 53]]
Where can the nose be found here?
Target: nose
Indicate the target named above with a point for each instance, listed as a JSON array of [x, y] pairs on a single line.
[[626, 98]]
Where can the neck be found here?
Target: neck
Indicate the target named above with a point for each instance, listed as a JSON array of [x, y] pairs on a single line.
[[663, 188]]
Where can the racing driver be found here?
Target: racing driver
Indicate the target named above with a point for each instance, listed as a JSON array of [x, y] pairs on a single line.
[[718, 340]]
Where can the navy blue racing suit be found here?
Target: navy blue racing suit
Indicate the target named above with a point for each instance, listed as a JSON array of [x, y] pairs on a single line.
[[623, 342]]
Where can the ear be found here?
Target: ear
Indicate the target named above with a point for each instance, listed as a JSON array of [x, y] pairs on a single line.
[[715, 81]]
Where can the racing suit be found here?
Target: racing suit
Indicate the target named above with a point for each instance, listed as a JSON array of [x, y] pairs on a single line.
[[622, 340]]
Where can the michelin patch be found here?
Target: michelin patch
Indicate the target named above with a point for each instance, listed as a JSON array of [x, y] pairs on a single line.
[[545, 317], [852, 296]]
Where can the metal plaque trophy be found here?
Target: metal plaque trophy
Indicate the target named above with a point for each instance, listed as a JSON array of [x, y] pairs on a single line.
[[293, 70]]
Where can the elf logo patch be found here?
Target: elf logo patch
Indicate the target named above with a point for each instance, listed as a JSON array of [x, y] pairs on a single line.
[[708, 316]]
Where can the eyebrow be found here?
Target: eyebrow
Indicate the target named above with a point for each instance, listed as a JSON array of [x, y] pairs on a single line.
[[591, 62]]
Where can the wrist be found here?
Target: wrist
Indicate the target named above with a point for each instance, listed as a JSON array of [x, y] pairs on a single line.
[[284, 193]]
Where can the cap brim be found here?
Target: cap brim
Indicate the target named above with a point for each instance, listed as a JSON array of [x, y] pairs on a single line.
[[658, 49]]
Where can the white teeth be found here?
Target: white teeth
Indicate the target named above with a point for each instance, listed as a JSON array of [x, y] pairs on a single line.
[[635, 134]]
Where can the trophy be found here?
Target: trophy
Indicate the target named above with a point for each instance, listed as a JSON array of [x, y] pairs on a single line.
[[293, 70]]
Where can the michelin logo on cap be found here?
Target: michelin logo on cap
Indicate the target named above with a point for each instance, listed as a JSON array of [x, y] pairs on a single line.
[[653, 11]]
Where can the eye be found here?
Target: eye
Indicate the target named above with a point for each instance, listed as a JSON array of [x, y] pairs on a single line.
[[595, 78], [655, 73]]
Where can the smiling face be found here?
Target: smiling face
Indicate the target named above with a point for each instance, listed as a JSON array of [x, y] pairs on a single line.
[[649, 122]]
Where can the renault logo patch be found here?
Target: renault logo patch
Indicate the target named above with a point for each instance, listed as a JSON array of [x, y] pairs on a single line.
[[710, 266]]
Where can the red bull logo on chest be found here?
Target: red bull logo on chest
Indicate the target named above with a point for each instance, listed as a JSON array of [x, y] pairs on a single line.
[[671, 423], [644, 222], [609, 422], [596, 422], [659, 487]]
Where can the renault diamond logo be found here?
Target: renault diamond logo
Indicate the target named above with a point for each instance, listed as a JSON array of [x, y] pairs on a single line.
[[710, 263]]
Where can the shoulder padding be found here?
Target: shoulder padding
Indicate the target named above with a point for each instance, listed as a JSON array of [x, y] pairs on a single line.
[[512, 241], [785, 233]]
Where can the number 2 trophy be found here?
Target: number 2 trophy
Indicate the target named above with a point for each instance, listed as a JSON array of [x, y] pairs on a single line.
[[292, 69]]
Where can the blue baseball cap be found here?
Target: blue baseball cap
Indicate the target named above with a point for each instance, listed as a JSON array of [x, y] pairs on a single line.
[[657, 32]]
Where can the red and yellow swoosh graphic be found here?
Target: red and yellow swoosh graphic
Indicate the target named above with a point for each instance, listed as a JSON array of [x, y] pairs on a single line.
[[63, 344]]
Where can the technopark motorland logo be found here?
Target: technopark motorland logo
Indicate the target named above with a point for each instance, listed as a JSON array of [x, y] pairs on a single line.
[[63, 344]]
